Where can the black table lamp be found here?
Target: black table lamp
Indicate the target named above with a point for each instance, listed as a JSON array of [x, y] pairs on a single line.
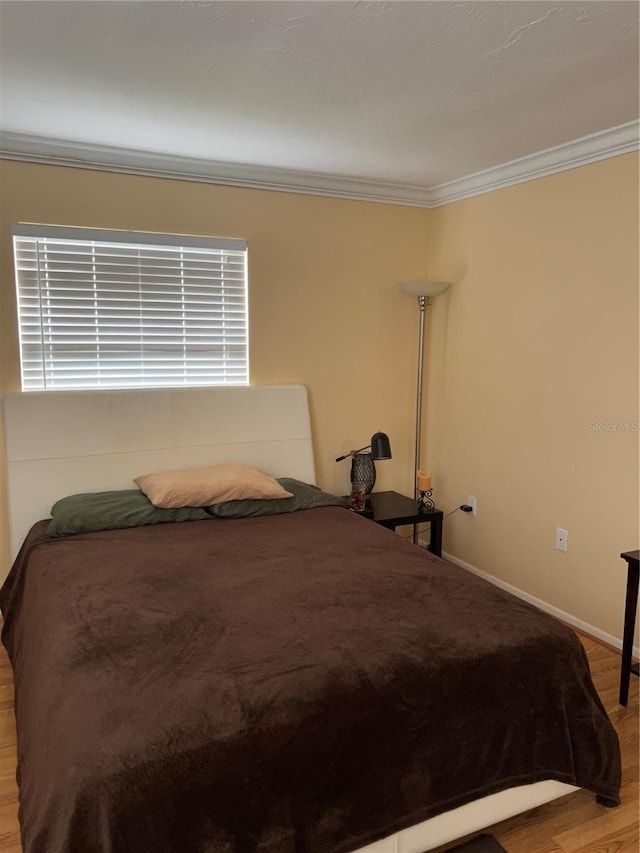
[[363, 469]]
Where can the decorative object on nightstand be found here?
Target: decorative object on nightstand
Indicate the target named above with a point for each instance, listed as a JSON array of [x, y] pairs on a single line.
[[363, 469], [423, 290], [425, 493], [358, 497]]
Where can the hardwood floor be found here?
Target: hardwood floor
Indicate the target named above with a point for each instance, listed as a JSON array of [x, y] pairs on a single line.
[[9, 829], [574, 824]]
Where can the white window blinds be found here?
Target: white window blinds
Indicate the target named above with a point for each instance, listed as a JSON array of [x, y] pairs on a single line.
[[117, 309]]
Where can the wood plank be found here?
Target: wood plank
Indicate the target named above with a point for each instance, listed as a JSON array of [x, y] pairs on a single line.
[[606, 823], [623, 841]]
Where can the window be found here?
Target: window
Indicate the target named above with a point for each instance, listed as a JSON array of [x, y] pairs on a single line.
[[118, 309]]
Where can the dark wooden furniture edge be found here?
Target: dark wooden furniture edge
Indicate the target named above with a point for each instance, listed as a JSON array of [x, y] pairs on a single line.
[[391, 509], [632, 559]]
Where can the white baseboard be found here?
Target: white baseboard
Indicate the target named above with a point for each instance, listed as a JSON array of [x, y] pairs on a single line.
[[562, 615]]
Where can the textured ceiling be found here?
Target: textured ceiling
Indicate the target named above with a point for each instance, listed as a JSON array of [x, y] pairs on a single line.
[[410, 92]]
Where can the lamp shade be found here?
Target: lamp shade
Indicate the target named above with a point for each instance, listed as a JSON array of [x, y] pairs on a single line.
[[380, 446], [424, 288]]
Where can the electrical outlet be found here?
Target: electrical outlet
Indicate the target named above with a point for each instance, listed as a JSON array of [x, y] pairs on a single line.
[[472, 503], [561, 539]]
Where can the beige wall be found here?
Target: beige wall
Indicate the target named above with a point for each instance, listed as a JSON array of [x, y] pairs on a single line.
[[536, 340], [325, 308]]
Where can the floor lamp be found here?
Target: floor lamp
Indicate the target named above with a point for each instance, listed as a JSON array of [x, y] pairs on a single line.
[[423, 290]]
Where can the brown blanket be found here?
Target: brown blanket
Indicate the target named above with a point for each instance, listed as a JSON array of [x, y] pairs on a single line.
[[305, 683]]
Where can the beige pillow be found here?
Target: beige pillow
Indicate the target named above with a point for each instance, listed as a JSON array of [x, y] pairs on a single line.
[[204, 486]]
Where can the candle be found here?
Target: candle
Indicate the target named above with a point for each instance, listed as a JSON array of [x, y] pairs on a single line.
[[424, 481]]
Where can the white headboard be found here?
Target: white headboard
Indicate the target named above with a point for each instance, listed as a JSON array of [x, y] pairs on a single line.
[[60, 443]]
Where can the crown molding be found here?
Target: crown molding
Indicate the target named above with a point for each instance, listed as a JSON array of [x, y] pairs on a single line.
[[579, 152], [60, 152]]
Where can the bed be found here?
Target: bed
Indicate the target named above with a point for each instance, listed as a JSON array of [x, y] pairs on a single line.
[[302, 682]]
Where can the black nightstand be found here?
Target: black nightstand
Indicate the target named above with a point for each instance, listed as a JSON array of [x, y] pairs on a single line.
[[633, 574], [391, 510]]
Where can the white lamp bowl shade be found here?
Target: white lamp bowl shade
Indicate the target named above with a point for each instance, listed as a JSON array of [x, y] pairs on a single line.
[[424, 288]]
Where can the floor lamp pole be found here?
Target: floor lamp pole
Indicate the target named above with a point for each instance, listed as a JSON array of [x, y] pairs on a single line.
[[423, 301], [423, 290]]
